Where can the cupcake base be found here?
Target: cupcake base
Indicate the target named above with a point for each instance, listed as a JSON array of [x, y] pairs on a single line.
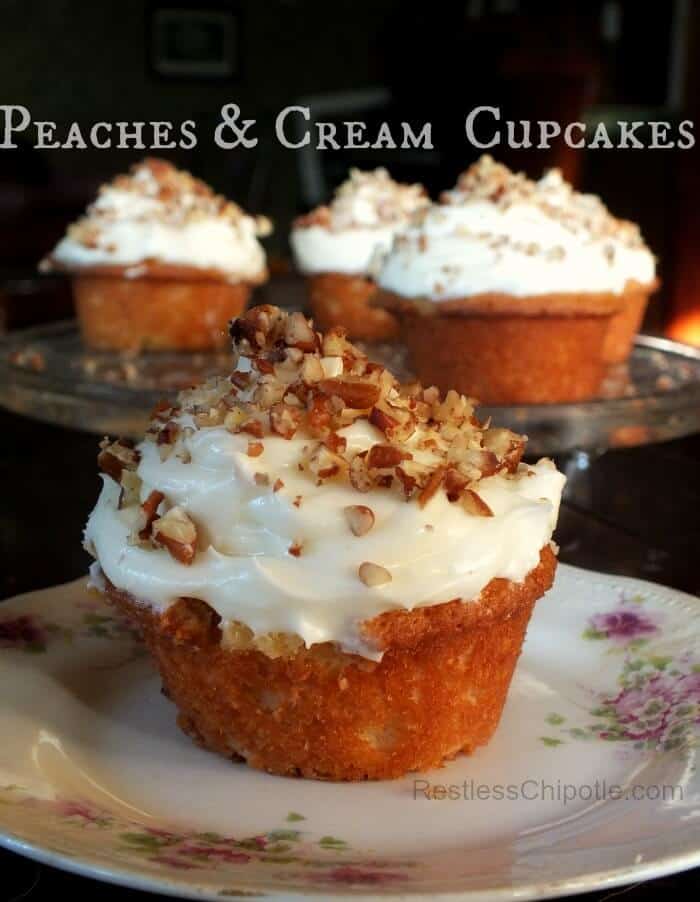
[[509, 359], [625, 324], [438, 690], [343, 300], [134, 314]]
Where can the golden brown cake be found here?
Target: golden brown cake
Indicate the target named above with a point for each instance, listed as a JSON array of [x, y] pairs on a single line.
[[160, 262], [517, 291], [335, 247], [626, 323], [334, 573], [338, 299], [487, 348]]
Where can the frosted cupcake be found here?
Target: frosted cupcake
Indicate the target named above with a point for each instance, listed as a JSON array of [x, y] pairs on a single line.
[[159, 261], [517, 291], [334, 572], [334, 246]]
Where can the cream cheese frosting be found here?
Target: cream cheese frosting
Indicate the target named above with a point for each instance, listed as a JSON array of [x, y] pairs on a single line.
[[161, 214], [274, 549], [365, 214], [499, 232]]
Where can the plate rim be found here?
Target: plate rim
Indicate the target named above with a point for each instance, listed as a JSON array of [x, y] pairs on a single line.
[[85, 865]]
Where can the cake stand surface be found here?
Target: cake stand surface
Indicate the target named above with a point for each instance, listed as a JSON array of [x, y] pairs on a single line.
[[47, 374]]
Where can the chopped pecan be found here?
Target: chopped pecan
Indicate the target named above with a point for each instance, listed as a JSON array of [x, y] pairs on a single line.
[[382, 421], [359, 477], [115, 457], [149, 513], [285, 420], [408, 482], [130, 488], [432, 485], [335, 443], [373, 574], [299, 334], [360, 518], [254, 428], [176, 532], [380, 457], [354, 393], [506, 445], [475, 504], [455, 483]]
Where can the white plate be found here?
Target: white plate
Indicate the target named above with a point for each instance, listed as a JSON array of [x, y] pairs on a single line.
[[96, 778]]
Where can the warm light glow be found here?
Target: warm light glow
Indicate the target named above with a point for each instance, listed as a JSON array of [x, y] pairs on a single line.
[[686, 327]]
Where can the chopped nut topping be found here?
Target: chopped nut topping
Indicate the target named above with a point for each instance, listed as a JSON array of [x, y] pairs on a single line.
[[281, 387], [115, 457], [172, 196], [176, 532], [367, 197], [130, 488], [295, 549], [277, 485], [353, 393], [581, 214], [255, 449], [149, 513], [360, 518], [474, 504], [373, 574]]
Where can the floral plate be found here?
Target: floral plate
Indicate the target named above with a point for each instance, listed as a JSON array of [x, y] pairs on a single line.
[[589, 782]]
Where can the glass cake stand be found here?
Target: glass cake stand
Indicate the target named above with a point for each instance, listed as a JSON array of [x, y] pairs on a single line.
[[46, 373]]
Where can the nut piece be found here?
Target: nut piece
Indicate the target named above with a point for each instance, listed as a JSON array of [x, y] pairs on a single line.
[[130, 488], [360, 518], [432, 485], [176, 532], [474, 504], [255, 449], [115, 457], [149, 513], [285, 420], [384, 456], [355, 394], [299, 334], [373, 574]]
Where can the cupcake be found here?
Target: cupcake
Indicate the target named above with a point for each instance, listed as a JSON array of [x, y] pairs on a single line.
[[334, 572], [517, 291], [334, 247], [159, 262]]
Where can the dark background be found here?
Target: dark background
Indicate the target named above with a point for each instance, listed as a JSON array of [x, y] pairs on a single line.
[[632, 512], [599, 60]]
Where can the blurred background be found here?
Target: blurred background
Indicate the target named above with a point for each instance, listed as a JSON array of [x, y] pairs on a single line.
[[374, 60]]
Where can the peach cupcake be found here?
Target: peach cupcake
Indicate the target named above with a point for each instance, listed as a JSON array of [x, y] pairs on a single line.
[[160, 262], [335, 245], [334, 572], [516, 291]]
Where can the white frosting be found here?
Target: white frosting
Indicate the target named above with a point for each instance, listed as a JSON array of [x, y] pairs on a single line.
[[130, 223], [365, 215], [246, 573], [529, 239], [317, 249]]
